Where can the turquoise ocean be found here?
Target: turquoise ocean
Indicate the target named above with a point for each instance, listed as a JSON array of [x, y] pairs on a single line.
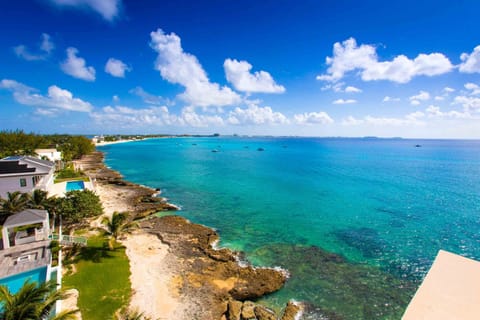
[[356, 222]]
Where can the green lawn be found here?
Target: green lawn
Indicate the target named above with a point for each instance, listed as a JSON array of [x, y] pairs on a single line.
[[102, 279]]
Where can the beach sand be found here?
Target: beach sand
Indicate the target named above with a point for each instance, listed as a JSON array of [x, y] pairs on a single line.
[[152, 278]]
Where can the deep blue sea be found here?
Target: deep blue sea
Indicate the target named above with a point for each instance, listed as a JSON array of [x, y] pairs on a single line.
[[357, 222]]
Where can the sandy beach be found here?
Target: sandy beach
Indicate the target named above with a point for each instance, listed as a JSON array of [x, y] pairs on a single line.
[[152, 278]]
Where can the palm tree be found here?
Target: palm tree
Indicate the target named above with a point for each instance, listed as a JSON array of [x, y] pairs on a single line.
[[33, 302], [38, 199], [15, 202], [117, 225], [128, 314]]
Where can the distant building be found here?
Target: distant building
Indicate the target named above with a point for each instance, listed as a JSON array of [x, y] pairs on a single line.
[[50, 154], [98, 139], [25, 174]]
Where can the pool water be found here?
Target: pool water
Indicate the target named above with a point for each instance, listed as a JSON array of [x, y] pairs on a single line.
[[15, 282], [75, 185]]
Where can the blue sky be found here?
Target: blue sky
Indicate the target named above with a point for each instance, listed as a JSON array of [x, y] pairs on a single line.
[[307, 68]]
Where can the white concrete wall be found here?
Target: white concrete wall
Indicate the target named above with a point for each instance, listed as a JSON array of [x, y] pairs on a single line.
[[52, 156], [12, 184]]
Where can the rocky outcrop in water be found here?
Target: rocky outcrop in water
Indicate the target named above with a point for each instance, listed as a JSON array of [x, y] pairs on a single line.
[[213, 279]]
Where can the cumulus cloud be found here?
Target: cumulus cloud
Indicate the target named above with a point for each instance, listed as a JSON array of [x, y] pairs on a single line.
[[256, 115], [350, 89], [126, 117], [239, 75], [435, 112], [348, 56], [390, 99], [147, 97], [116, 68], [313, 118], [56, 99], [474, 88], [421, 96], [439, 98], [46, 47], [470, 61], [76, 66], [190, 117], [108, 9], [344, 101], [470, 104], [177, 66], [412, 119], [448, 90]]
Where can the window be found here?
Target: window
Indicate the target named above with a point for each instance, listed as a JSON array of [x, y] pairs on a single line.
[[23, 182]]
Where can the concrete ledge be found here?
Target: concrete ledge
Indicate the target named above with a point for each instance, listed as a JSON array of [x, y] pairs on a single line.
[[451, 290]]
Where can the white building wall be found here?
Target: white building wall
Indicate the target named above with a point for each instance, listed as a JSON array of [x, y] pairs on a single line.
[[12, 184], [52, 155]]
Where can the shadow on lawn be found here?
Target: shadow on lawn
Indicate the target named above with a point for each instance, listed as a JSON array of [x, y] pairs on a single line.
[[94, 253]]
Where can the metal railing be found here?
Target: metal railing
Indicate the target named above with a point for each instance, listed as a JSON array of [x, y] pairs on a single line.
[[69, 240]]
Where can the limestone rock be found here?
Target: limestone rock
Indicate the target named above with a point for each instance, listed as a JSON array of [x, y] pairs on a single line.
[[234, 310], [248, 310], [291, 311], [264, 313]]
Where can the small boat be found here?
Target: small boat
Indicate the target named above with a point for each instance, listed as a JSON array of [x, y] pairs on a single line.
[[418, 145], [214, 150], [260, 149]]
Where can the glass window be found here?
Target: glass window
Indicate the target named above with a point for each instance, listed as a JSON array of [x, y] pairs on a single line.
[[23, 182]]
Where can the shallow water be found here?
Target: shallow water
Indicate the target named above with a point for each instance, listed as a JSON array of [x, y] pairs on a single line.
[[357, 222]]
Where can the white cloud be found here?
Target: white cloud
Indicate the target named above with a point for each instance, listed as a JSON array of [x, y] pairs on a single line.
[[390, 99], [115, 98], [343, 101], [448, 89], [439, 98], [254, 114], [347, 56], [469, 103], [45, 47], [434, 112], [313, 118], [421, 96], [76, 66], [411, 119], [125, 117], [238, 74], [57, 98], [116, 68], [474, 88], [336, 87], [177, 66], [351, 89], [109, 9], [470, 61], [190, 117], [147, 97]]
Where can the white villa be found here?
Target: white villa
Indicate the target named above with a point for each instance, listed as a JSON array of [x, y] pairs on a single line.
[[25, 174], [51, 154]]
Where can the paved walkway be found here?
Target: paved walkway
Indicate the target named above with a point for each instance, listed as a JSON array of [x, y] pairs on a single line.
[[450, 291]]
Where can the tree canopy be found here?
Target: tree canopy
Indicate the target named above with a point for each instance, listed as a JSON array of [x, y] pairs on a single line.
[[77, 205], [18, 142]]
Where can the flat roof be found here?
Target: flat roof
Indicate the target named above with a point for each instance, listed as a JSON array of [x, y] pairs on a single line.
[[451, 290], [25, 217]]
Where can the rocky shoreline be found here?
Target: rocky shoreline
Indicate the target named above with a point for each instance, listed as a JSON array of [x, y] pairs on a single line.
[[208, 282]]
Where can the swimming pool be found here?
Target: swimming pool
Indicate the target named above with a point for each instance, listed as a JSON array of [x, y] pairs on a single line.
[[15, 282], [75, 185]]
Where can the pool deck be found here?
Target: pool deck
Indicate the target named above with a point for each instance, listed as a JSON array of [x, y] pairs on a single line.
[[59, 189], [451, 290], [9, 264]]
